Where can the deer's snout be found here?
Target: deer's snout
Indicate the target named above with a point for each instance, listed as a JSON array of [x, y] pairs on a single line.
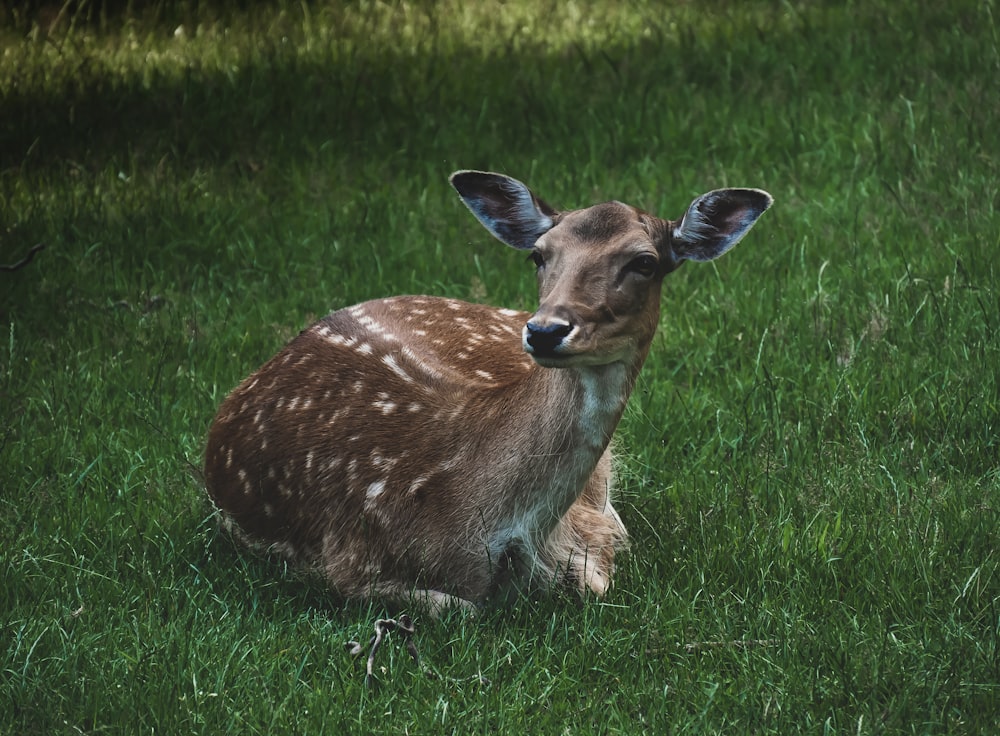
[[544, 338]]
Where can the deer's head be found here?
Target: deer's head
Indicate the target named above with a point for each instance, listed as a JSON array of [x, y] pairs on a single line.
[[600, 268]]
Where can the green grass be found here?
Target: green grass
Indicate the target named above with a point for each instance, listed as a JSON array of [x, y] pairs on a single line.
[[811, 458]]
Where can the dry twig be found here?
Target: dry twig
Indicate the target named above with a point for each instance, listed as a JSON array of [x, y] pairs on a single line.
[[383, 627], [24, 261]]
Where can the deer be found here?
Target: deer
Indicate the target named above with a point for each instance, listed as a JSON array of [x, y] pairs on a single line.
[[427, 451]]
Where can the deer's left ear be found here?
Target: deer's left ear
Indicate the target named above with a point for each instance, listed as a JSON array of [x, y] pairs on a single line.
[[717, 221], [505, 207]]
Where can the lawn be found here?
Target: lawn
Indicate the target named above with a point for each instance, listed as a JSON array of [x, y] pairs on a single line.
[[811, 460]]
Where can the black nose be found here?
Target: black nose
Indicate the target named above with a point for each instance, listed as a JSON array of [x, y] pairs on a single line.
[[546, 338]]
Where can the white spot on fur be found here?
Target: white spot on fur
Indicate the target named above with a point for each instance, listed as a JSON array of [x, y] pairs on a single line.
[[417, 484], [344, 341], [396, 368], [381, 462], [485, 374], [376, 328], [374, 491], [419, 363]]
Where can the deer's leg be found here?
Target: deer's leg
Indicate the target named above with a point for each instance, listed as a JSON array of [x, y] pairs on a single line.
[[586, 539], [433, 602], [352, 576]]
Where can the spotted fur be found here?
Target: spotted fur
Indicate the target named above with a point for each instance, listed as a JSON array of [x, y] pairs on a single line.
[[425, 448]]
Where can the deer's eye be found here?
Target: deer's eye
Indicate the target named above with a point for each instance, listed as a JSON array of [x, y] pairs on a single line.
[[643, 265], [537, 259]]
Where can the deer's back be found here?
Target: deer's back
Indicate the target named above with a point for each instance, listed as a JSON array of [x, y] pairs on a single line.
[[355, 425]]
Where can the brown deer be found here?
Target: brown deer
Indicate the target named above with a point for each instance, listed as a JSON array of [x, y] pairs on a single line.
[[427, 450]]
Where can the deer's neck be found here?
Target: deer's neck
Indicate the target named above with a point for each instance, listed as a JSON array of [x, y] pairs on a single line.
[[595, 397], [585, 404], [574, 413]]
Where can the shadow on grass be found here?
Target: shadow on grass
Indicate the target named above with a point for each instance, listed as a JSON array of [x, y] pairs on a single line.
[[281, 94]]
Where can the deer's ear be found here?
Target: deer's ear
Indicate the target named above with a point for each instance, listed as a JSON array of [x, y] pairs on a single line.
[[717, 221], [505, 207]]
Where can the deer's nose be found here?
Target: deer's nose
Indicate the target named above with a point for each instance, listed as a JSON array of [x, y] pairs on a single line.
[[543, 339]]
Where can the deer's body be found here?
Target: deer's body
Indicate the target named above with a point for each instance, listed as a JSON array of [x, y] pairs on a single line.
[[419, 446]]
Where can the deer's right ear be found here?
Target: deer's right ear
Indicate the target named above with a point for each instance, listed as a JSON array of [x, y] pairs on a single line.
[[505, 206]]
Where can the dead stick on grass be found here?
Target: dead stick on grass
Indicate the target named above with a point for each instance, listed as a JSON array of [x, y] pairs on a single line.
[[383, 627], [24, 261]]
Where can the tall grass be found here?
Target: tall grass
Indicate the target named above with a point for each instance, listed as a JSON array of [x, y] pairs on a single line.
[[811, 466]]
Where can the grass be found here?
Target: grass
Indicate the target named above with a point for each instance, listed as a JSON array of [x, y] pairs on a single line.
[[812, 457]]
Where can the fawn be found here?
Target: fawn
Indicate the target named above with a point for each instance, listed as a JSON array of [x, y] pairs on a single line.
[[427, 450]]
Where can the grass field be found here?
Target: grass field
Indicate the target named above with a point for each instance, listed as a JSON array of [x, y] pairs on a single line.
[[811, 469]]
